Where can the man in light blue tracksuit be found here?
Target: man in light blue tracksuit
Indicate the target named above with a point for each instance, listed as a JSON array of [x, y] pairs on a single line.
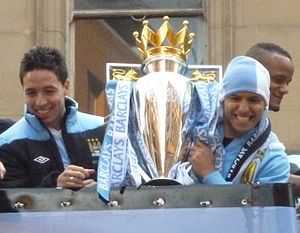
[[53, 144], [251, 152]]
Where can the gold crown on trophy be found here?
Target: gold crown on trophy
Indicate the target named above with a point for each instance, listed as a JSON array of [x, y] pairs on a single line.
[[164, 42]]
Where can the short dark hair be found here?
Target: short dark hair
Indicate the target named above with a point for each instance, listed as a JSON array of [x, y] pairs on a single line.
[[260, 50], [44, 58]]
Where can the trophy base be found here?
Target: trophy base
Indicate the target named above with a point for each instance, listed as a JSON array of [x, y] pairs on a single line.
[[161, 182]]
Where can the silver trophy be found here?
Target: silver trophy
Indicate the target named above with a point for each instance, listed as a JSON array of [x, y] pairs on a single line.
[[162, 96], [152, 109]]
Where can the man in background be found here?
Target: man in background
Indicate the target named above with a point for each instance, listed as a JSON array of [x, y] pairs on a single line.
[[279, 63]]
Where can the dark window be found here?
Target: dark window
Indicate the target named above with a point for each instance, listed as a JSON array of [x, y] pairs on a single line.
[[103, 33]]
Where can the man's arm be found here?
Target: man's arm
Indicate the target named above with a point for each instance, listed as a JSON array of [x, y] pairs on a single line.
[[203, 164], [75, 177], [15, 166], [2, 170], [274, 168]]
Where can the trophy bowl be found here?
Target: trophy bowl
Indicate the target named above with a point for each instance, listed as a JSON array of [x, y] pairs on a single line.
[[161, 100]]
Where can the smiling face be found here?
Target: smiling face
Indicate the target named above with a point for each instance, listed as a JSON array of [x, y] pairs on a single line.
[[45, 96], [242, 112], [281, 71]]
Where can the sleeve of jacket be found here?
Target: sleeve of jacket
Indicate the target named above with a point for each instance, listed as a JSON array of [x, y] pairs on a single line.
[[214, 177], [15, 165], [275, 167], [50, 180], [17, 174]]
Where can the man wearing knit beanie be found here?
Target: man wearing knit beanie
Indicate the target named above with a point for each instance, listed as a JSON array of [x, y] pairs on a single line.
[[245, 74], [251, 152]]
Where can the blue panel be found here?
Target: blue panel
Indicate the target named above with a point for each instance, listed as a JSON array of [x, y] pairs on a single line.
[[209, 220]]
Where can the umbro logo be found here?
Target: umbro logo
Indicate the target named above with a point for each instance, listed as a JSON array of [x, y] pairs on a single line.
[[41, 159]]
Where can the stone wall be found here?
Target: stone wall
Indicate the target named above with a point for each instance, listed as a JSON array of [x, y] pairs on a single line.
[[235, 25], [24, 24]]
